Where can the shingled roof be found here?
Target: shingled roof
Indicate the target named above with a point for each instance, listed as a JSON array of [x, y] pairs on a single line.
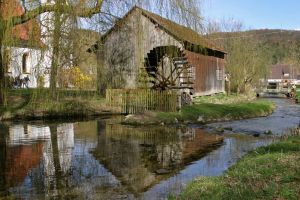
[[180, 32], [279, 70], [23, 35]]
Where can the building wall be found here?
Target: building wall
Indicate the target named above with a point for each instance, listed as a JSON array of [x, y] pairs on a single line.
[[33, 64], [127, 46], [135, 39], [209, 73]]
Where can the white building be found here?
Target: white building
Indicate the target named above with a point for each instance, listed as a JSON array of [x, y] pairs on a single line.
[[280, 73], [29, 55]]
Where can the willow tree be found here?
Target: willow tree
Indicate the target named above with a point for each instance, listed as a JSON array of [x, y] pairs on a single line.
[[247, 58], [247, 62], [82, 8]]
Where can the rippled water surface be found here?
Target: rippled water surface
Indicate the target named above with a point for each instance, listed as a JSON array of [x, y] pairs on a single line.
[[100, 159]]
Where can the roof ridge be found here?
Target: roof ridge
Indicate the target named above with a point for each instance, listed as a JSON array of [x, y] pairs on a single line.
[[175, 29]]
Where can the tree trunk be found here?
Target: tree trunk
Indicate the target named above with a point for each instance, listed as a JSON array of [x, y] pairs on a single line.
[[3, 157], [3, 89], [54, 144], [100, 70], [55, 54]]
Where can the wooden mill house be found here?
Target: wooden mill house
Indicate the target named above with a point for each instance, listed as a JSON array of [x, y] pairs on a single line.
[[145, 50]]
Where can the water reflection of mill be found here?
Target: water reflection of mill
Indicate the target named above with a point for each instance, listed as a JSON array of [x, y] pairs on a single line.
[[142, 157], [58, 160]]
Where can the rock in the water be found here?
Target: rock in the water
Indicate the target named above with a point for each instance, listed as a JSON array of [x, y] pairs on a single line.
[[122, 197], [228, 128], [220, 130], [256, 134], [269, 132], [162, 171]]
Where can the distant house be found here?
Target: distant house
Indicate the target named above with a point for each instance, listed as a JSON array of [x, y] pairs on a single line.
[[283, 72], [23, 47], [143, 46]]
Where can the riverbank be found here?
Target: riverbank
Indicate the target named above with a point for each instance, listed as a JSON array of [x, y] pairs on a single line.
[[270, 172], [225, 98], [298, 97], [30, 104], [204, 113]]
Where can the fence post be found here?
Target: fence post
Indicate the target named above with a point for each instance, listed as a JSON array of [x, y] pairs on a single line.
[[140, 100]]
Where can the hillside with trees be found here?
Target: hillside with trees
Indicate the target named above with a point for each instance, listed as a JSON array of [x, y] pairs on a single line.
[[281, 44], [250, 54]]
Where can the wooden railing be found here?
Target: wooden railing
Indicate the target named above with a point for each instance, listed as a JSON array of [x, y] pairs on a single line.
[[132, 101]]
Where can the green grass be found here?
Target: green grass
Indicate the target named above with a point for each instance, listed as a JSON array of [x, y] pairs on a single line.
[[211, 112], [36, 103], [225, 99], [270, 172]]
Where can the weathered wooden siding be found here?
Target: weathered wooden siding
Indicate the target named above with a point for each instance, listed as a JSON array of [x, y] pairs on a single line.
[[119, 56], [209, 73], [127, 47], [153, 36]]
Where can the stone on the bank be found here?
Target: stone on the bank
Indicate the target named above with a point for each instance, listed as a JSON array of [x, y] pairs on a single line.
[[200, 119], [127, 117], [176, 120]]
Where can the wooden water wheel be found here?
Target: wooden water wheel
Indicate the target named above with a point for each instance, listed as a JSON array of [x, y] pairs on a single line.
[[168, 68]]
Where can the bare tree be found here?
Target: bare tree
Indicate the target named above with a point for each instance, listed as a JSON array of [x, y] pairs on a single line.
[[247, 59]]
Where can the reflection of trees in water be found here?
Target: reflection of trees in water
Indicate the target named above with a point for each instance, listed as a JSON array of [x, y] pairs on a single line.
[[134, 155], [3, 132], [35, 156], [64, 167]]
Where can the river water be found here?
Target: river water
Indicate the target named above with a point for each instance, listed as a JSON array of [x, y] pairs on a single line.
[[99, 159]]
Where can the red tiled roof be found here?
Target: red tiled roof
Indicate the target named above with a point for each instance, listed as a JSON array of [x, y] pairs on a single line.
[[27, 34]]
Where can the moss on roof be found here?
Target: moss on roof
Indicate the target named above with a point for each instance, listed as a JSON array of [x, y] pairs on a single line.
[[180, 32]]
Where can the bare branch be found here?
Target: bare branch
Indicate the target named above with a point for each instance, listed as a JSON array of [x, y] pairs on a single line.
[[82, 12]]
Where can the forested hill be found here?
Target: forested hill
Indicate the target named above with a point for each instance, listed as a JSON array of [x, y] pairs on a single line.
[[280, 43]]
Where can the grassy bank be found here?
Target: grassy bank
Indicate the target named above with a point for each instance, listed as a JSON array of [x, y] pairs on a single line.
[[37, 104], [270, 172], [297, 97], [206, 112], [226, 99]]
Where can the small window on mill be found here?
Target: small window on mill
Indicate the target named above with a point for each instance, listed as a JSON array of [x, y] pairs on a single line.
[[25, 67]]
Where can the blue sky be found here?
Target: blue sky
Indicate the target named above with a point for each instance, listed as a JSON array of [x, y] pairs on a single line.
[[256, 14]]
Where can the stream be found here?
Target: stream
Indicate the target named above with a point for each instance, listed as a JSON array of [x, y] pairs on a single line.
[[101, 159]]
